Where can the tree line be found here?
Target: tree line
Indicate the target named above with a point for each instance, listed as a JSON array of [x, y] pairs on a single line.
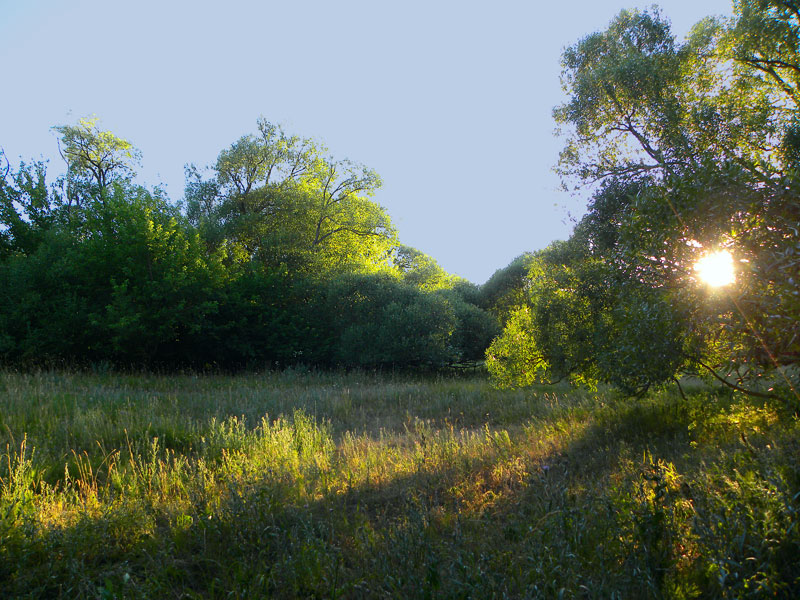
[[684, 148], [276, 256]]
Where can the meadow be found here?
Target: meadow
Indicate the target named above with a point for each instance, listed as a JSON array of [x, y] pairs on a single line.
[[308, 485]]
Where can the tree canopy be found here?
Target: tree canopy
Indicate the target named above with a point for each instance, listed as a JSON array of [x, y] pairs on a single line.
[[686, 148], [278, 255], [285, 200], [95, 159]]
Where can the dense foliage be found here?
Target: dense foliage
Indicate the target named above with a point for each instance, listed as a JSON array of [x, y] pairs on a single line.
[[688, 148], [279, 257]]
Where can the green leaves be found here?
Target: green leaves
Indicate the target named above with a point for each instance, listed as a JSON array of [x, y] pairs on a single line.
[[382, 322], [582, 321], [513, 359], [621, 84], [282, 258], [94, 158], [642, 103], [280, 200], [693, 146]]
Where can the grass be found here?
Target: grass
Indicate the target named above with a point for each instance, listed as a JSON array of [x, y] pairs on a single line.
[[355, 485]]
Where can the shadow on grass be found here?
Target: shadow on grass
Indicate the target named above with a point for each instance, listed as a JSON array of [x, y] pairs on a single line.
[[574, 516]]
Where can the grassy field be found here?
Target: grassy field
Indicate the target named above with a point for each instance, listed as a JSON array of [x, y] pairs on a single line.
[[347, 486]]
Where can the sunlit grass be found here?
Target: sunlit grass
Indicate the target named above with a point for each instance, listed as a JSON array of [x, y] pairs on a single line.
[[300, 485]]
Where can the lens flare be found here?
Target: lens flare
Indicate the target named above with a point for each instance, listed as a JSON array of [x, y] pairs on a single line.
[[716, 269]]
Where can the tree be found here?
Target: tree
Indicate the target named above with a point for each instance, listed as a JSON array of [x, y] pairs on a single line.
[[504, 291], [381, 322], [28, 207], [420, 270], [763, 39], [642, 103], [585, 322], [161, 284], [513, 359], [94, 158], [284, 202], [281, 258], [475, 328], [694, 146]]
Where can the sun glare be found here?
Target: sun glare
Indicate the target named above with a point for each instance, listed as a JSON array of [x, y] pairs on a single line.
[[716, 269]]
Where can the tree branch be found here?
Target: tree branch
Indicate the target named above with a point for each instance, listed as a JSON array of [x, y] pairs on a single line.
[[730, 384], [8, 164], [680, 389]]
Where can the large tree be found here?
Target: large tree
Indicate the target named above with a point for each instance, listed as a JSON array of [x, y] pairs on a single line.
[[284, 201], [685, 147], [95, 159]]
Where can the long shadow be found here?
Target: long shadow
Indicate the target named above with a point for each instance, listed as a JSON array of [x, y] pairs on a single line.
[[413, 536]]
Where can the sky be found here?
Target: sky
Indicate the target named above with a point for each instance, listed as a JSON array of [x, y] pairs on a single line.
[[449, 101]]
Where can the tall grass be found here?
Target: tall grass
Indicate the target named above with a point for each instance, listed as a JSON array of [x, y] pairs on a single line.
[[344, 486]]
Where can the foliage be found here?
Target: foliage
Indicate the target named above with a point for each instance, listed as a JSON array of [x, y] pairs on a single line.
[[420, 270], [284, 203], [580, 322], [280, 259], [512, 358], [505, 289], [95, 159], [28, 208], [475, 328], [382, 322], [127, 285], [688, 147]]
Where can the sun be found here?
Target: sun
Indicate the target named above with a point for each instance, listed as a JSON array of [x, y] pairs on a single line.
[[716, 269]]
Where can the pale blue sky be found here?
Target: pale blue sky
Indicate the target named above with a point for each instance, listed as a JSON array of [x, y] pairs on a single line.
[[449, 101]]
